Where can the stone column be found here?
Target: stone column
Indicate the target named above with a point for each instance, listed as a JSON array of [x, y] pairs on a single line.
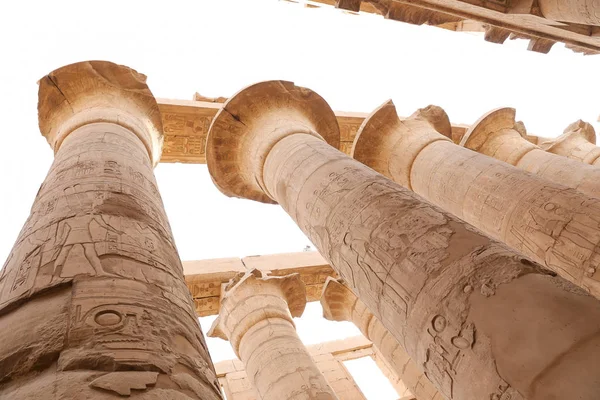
[[584, 12], [480, 320], [498, 135], [256, 317], [553, 225], [340, 304], [578, 142], [93, 303]]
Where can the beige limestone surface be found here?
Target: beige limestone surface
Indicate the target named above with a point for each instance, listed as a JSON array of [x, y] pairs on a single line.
[[498, 135], [256, 317], [555, 226], [204, 278], [93, 304], [328, 357], [542, 22], [481, 321], [578, 142], [340, 304]]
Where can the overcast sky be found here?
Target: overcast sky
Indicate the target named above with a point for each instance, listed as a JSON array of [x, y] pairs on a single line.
[[217, 47]]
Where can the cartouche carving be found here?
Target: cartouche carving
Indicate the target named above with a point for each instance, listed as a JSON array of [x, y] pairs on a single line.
[[256, 317], [409, 261], [92, 298]]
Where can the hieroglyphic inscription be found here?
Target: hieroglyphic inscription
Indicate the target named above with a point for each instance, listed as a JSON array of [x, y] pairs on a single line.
[[98, 222], [400, 255]]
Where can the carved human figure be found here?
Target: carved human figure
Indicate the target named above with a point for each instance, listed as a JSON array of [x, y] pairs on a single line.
[[340, 304], [469, 311], [553, 225], [498, 135], [256, 317], [93, 302]]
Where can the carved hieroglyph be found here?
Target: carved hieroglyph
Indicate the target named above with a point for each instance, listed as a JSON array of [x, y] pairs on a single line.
[[340, 304], [93, 302], [256, 317], [578, 142], [555, 226], [482, 322], [498, 135]]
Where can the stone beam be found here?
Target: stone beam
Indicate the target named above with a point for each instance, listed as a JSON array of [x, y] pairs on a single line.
[[204, 278], [430, 278], [186, 123], [497, 134], [500, 19], [93, 302]]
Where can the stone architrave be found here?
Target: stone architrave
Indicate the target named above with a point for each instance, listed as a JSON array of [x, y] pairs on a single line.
[[498, 135], [340, 304], [553, 225], [93, 302], [578, 142], [256, 317], [481, 321], [584, 12]]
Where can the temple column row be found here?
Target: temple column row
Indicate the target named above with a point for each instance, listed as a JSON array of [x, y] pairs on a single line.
[[340, 304], [553, 225], [473, 314], [497, 134], [93, 302], [256, 317]]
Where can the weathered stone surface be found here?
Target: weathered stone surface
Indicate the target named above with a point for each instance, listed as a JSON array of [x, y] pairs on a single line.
[[94, 284], [552, 224], [584, 12], [430, 278], [256, 317], [498, 135], [340, 304], [536, 21], [205, 278], [578, 142]]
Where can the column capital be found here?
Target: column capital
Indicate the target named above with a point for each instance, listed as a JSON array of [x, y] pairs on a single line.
[[337, 300], [576, 131], [98, 91], [251, 122], [274, 297], [383, 136]]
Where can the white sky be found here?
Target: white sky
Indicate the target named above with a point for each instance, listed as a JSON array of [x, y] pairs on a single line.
[[217, 47]]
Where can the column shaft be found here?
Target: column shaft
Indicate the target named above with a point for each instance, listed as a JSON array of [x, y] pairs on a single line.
[[495, 135], [578, 142], [553, 225], [93, 300], [255, 317], [340, 304], [482, 322], [416, 268]]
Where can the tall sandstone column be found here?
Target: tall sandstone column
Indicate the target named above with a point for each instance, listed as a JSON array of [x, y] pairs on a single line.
[[93, 304], [585, 12], [555, 226], [340, 304], [256, 317], [498, 135], [482, 322], [578, 142]]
